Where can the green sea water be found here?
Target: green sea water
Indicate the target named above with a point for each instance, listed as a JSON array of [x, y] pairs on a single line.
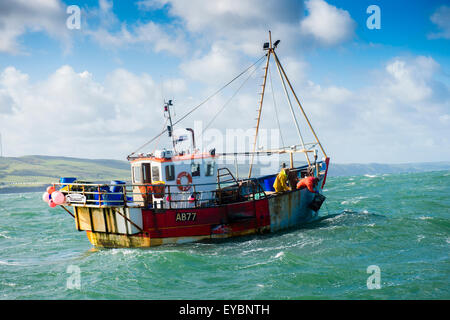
[[399, 223]]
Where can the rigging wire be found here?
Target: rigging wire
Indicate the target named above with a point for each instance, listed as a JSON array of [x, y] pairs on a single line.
[[157, 141], [199, 105], [290, 106], [231, 98], [275, 107]]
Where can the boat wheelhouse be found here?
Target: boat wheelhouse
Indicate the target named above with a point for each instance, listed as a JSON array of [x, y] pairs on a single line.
[[165, 168]]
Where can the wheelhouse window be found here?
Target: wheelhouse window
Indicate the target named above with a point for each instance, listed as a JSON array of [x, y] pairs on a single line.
[[146, 172], [170, 172], [195, 169], [209, 168], [155, 173], [137, 174]]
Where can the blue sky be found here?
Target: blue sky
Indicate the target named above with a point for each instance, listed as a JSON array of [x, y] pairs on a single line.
[[379, 95]]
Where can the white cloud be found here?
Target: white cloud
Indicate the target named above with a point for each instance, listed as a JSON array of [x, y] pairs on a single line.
[[149, 34], [326, 23], [226, 31], [441, 18], [400, 117], [228, 16], [70, 113], [216, 67], [243, 25], [156, 37], [20, 16], [6, 102], [410, 82]]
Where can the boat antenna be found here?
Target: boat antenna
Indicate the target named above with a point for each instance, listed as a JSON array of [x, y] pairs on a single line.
[[167, 106]]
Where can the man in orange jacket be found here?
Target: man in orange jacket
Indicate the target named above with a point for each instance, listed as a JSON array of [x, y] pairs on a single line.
[[308, 182]]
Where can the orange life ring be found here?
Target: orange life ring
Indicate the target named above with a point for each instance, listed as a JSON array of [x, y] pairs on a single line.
[[181, 175]]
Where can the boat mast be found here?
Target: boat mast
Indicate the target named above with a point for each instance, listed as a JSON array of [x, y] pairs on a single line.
[[270, 50]]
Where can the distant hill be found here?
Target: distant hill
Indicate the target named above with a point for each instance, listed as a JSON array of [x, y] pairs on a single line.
[[31, 173]]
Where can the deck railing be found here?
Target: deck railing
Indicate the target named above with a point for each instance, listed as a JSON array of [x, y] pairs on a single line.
[[159, 196], [170, 196]]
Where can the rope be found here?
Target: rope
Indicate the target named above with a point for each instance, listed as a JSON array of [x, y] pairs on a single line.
[[198, 106]]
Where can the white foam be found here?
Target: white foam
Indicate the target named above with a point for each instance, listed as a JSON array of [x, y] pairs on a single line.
[[9, 284], [6, 263], [3, 235]]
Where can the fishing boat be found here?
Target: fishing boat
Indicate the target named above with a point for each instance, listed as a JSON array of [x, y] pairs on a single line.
[[184, 196]]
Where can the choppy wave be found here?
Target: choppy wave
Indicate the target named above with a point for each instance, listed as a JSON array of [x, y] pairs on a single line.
[[397, 222]]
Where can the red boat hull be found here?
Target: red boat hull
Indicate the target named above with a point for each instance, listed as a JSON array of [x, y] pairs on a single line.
[[163, 226]]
